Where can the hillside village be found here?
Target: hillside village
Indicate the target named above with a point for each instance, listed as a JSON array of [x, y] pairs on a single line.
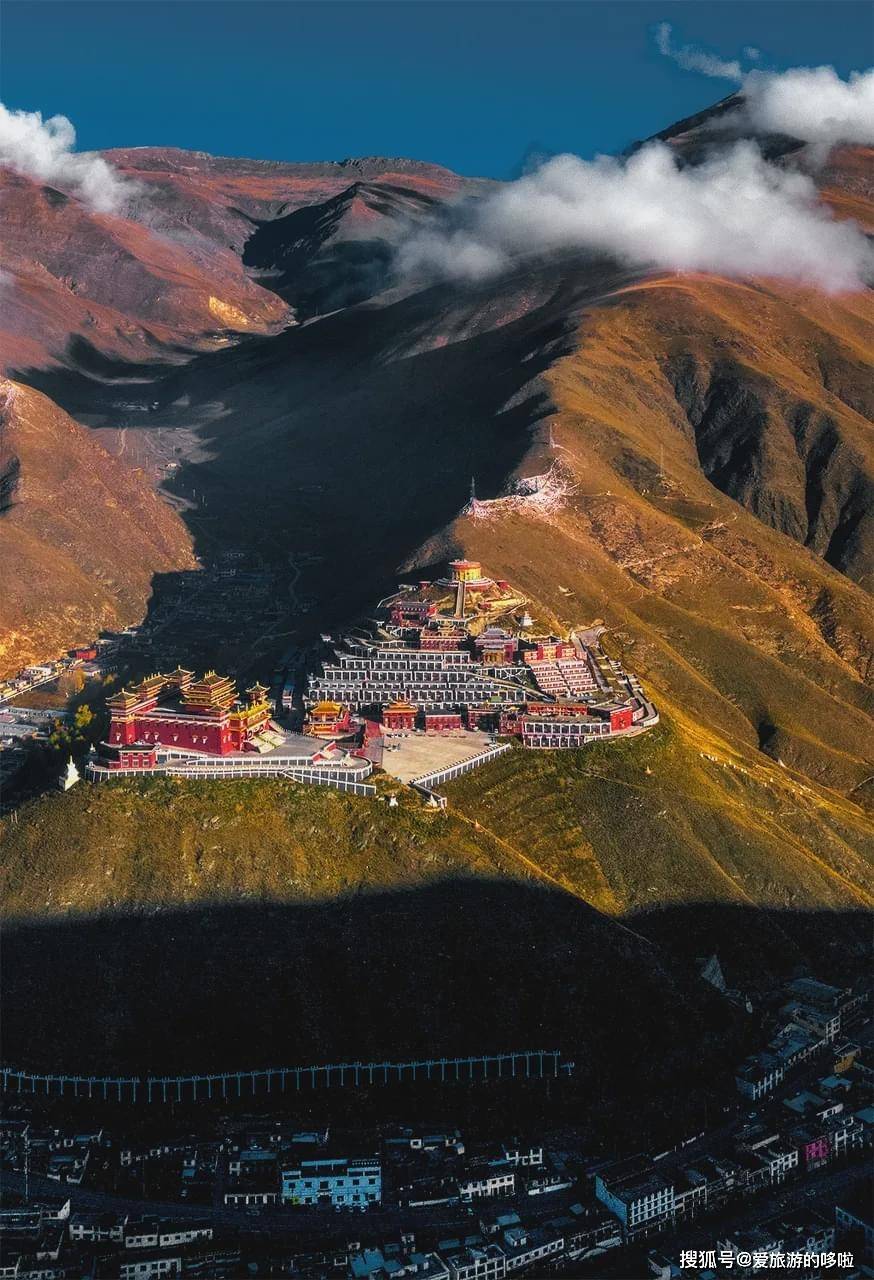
[[778, 1172]]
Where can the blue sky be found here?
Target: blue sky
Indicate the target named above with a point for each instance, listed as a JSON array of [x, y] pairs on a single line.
[[472, 85]]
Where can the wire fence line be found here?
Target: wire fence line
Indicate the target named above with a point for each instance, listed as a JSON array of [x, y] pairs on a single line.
[[519, 1064]]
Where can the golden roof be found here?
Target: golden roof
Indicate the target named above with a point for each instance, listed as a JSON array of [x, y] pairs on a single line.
[[148, 683], [213, 690], [124, 698], [327, 708]]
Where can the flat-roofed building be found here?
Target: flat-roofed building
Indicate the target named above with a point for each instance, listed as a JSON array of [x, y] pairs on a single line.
[[342, 1182], [637, 1193]]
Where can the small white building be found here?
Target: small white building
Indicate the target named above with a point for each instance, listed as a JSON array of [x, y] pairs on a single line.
[[759, 1076], [636, 1193], [155, 1265], [483, 1263], [495, 1182]]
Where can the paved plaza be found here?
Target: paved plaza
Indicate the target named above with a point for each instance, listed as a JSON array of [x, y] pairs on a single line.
[[409, 756]]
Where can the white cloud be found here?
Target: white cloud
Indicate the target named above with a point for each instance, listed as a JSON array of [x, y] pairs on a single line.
[[734, 214], [813, 104], [43, 149], [692, 58]]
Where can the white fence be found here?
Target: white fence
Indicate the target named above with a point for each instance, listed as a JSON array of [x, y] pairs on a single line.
[[524, 1064], [427, 781], [339, 781]]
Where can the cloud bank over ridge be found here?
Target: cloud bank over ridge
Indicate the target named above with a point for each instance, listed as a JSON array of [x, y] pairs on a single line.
[[812, 104], [734, 214]]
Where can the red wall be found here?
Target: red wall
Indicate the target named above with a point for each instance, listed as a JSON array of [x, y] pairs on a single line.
[[212, 738], [399, 719], [443, 722]]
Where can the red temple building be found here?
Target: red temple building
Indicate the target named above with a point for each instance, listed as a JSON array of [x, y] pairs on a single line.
[[495, 646], [486, 718], [191, 715], [411, 611], [400, 715], [551, 649], [443, 640], [442, 721], [329, 719]]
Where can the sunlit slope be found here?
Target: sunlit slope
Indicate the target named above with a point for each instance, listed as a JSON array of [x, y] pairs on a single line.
[[80, 533], [675, 817], [746, 631], [166, 842]]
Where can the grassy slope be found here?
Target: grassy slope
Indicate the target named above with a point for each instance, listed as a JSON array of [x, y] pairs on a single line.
[[166, 842], [651, 821], [758, 653], [273, 922], [81, 537], [165, 924]]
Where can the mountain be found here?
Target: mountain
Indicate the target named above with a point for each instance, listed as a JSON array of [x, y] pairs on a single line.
[[83, 289], [81, 533], [340, 251], [697, 465]]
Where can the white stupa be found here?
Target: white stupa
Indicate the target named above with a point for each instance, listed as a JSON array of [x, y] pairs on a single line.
[[70, 777]]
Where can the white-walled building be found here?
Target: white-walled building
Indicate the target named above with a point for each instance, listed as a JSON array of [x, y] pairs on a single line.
[[343, 1183], [491, 1182], [636, 1193]]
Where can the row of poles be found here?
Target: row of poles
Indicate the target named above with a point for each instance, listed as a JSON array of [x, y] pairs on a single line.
[[523, 1064]]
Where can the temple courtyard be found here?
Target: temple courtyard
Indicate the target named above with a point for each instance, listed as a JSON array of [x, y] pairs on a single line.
[[407, 757]]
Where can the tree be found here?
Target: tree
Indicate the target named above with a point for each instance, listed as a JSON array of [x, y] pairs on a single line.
[[82, 718]]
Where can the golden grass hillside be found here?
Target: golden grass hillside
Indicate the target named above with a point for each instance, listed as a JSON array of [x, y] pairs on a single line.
[[80, 533], [757, 789], [167, 842]]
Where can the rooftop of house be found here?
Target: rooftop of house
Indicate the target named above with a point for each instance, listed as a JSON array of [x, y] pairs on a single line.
[[758, 1065], [806, 1010], [804, 1102], [809, 989]]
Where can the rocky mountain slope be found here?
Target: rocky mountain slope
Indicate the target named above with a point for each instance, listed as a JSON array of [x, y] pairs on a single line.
[[165, 277], [81, 534]]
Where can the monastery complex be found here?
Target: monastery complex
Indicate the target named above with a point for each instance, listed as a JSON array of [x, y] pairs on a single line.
[[461, 653], [456, 657]]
